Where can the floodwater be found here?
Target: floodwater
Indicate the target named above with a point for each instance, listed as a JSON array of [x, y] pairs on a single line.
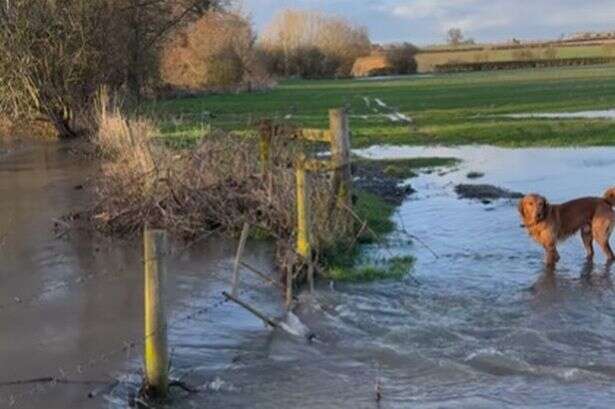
[[600, 114], [483, 325]]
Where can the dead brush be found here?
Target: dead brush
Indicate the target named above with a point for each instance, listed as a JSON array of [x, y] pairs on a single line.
[[218, 185]]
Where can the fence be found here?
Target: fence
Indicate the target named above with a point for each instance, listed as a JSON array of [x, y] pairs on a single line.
[[338, 136], [155, 249]]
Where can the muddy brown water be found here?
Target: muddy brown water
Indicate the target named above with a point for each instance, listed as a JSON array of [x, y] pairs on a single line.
[[481, 326]]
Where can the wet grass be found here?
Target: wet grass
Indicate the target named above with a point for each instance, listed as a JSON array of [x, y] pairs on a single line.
[[352, 265], [451, 109], [376, 213], [395, 268], [407, 168]]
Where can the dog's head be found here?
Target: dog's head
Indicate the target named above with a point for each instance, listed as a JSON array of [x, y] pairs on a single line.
[[609, 196], [533, 209]]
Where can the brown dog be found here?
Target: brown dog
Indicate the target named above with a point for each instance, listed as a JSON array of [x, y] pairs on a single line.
[[549, 224]]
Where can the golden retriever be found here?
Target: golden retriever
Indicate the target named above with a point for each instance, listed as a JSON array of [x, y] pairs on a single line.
[[549, 224]]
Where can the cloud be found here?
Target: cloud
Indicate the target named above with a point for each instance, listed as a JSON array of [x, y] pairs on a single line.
[[418, 9], [426, 21]]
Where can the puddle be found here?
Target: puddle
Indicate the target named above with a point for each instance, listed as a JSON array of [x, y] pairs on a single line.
[[604, 114], [482, 325]]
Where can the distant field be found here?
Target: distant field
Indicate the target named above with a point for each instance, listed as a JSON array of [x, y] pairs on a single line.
[[427, 61], [446, 109]]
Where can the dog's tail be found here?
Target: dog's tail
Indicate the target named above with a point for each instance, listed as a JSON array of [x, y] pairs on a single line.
[[609, 196]]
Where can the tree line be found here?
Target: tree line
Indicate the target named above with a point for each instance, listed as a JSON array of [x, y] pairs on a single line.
[[55, 55]]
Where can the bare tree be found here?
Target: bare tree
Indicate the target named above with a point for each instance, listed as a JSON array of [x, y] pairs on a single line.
[[313, 44], [56, 54], [454, 36]]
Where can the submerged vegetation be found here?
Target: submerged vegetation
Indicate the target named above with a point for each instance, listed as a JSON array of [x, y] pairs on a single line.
[[395, 268], [352, 264]]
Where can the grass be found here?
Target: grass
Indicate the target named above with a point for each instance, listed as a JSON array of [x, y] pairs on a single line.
[[428, 61], [395, 268], [353, 265], [452, 109], [375, 212]]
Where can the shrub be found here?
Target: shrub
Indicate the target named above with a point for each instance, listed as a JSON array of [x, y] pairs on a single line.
[[550, 53], [216, 52], [402, 58], [55, 55]]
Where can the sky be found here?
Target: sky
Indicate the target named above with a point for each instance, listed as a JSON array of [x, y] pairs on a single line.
[[426, 22]]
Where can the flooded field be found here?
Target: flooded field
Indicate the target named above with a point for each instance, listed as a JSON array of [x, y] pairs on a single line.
[[603, 114], [482, 325]]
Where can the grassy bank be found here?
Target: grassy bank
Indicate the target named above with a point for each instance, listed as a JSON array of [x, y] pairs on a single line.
[[355, 264], [446, 109]]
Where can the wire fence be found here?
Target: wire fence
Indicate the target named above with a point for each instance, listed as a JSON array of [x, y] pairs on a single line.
[[67, 375]]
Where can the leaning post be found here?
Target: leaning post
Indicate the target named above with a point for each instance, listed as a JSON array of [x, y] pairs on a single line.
[[242, 244], [156, 351]]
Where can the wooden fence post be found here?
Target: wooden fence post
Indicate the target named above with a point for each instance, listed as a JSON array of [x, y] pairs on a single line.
[[304, 246], [156, 352], [342, 174], [340, 156]]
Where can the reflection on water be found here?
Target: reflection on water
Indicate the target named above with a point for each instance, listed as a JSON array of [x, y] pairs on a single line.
[[482, 325], [604, 114]]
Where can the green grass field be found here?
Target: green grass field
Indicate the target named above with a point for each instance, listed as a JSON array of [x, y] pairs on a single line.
[[449, 109], [428, 61]]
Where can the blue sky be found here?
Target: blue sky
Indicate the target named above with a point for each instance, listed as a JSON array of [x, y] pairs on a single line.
[[426, 21]]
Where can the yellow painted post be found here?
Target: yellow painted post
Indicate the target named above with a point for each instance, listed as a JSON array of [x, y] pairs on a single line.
[[304, 247], [303, 225], [156, 352]]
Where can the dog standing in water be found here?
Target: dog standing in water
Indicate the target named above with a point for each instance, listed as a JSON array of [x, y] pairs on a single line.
[[549, 224]]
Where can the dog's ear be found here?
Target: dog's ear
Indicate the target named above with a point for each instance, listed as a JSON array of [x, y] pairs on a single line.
[[521, 208], [543, 208], [609, 196]]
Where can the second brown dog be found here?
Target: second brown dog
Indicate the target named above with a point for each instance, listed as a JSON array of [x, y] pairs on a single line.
[[549, 224]]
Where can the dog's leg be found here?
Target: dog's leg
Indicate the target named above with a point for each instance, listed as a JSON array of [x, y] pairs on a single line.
[[551, 255], [606, 249], [602, 228], [586, 235]]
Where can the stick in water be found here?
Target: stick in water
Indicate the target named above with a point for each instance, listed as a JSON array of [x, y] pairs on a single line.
[[258, 314], [242, 245]]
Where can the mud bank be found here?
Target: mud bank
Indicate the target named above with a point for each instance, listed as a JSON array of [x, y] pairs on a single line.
[[390, 179], [485, 193]]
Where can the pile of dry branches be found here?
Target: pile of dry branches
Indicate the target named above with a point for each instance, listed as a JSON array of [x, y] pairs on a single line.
[[219, 185]]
